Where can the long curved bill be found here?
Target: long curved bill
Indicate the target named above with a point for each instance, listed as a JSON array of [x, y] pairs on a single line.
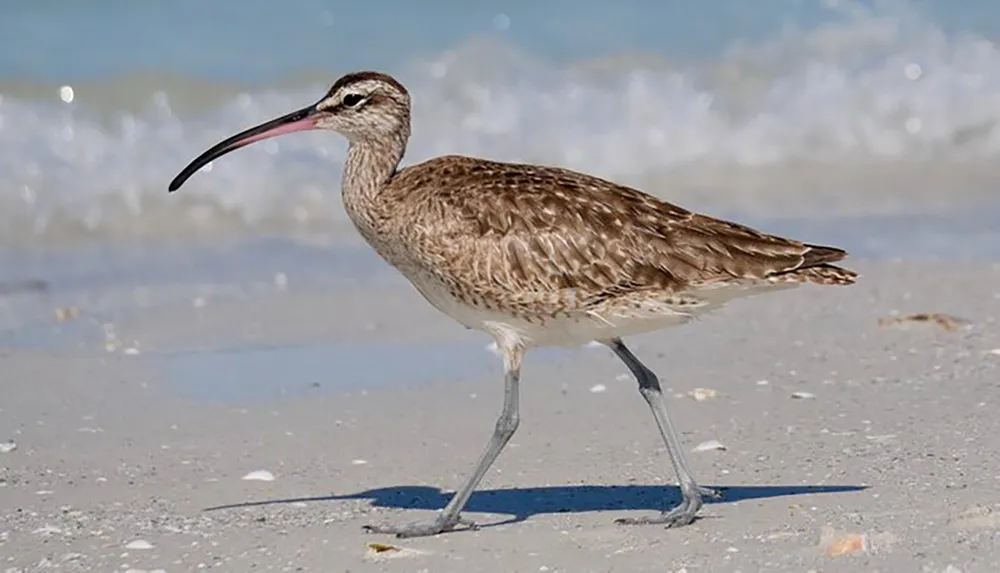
[[301, 120]]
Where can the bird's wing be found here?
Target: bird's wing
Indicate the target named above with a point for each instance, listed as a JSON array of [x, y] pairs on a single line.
[[541, 230]]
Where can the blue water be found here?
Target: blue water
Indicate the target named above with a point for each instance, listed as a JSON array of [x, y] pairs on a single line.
[[780, 107], [261, 41]]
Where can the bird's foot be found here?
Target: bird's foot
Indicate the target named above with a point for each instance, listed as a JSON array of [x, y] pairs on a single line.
[[709, 493], [439, 524], [685, 513]]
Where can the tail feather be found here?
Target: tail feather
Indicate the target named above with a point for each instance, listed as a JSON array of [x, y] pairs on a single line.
[[823, 275], [818, 255], [816, 268]]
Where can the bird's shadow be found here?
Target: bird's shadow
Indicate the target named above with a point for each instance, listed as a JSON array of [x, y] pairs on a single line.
[[522, 503]]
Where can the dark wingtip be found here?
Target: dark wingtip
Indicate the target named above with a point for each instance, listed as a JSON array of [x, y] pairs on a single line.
[[819, 255]]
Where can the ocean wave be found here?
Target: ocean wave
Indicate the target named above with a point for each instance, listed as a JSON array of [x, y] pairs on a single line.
[[875, 112]]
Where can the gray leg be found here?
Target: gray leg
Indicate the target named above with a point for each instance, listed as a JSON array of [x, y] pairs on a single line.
[[449, 518], [649, 387]]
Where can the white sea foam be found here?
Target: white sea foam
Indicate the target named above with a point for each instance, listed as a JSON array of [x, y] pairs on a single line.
[[871, 114]]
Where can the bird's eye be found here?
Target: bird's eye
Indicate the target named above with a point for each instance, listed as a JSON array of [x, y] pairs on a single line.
[[351, 100]]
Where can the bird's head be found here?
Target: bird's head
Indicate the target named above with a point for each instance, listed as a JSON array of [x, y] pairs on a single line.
[[361, 106]]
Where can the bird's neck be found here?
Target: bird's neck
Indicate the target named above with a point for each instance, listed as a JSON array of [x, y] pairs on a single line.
[[370, 166]]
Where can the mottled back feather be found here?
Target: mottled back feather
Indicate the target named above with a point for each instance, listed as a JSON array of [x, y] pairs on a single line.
[[515, 228]]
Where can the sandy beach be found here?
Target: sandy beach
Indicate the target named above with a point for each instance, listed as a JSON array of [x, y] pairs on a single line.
[[849, 444]]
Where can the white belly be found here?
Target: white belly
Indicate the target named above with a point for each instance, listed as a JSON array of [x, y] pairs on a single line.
[[572, 330], [617, 320]]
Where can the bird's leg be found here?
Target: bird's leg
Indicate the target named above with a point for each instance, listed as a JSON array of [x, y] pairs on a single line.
[[449, 518], [649, 387]]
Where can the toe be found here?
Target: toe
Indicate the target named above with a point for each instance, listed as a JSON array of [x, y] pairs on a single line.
[[420, 528], [709, 493], [683, 514], [680, 520]]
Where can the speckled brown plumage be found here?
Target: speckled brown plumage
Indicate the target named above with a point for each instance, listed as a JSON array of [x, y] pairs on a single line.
[[539, 241], [534, 230], [545, 244]]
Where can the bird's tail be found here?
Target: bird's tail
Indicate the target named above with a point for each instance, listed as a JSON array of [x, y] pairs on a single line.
[[816, 268]]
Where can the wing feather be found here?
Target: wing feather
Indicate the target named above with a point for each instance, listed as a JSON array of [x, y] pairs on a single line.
[[540, 233]]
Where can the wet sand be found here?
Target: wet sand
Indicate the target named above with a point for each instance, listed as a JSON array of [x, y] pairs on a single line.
[[849, 445]]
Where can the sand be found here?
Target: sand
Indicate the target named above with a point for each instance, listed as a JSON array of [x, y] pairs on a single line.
[[849, 445]]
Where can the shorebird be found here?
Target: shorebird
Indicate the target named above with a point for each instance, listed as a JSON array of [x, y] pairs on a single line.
[[537, 256]]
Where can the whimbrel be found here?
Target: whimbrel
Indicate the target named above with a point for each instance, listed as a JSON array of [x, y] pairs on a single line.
[[537, 256]]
